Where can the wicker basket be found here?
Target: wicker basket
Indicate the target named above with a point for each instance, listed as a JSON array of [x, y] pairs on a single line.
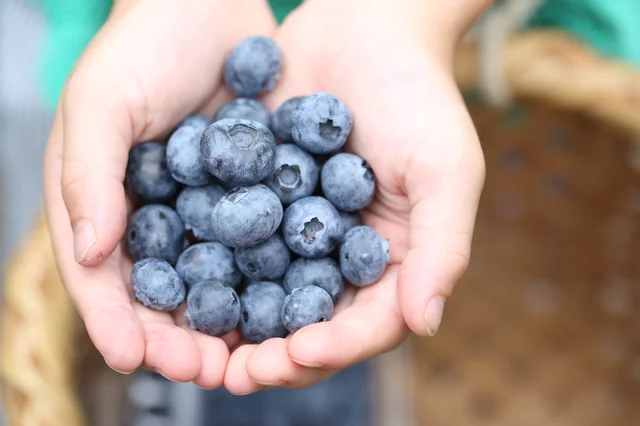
[[541, 331], [544, 328]]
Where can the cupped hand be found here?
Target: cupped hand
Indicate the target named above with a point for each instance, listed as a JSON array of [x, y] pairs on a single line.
[[153, 63], [411, 125]]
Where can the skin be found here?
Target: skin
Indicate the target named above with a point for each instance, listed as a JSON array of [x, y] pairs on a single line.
[[430, 170]]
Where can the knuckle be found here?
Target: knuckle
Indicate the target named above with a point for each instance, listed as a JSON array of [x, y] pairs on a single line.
[[77, 88], [70, 184], [459, 256], [476, 166]]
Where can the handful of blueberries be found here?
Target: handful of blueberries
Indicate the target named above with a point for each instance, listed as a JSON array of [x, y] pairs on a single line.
[[224, 208]]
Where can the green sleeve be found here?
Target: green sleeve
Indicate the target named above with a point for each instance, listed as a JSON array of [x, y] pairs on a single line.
[[70, 26], [610, 27], [281, 8]]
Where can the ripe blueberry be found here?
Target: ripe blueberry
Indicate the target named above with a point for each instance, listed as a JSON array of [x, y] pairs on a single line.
[[155, 231], [245, 109], [296, 174], [196, 120], [281, 121], [148, 178], [213, 308], [323, 272], [321, 123], [246, 216], [238, 151], [267, 260], [363, 256], [348, 182], [253, 67], [261, 305], [208, 261], [305, 306], [183, 155], [195, 207], [157, 285], [312, 227]]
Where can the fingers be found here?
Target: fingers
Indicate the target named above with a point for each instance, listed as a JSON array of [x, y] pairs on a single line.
[[269, 364], [98, 293], [443, 195], [237, 379], [171, 351], [371, 325], [214, 353]]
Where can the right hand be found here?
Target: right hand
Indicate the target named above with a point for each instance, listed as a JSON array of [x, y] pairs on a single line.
[[153, 63]]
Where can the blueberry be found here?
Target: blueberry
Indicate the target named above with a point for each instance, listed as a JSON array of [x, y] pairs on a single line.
[[305, 306], [155, 231], [363, 256], [350, 220], [321, 123], [196, 120], [208, 261], [348, 182], [157, 285], [323, 272], [183, 156], [296, 174], [213, 308], [239, 151], [195, 207], [261, 305], [312, 227], [281, 121], [148, 178], [245, 109], [268, 260], [253, 67], [247, 216]]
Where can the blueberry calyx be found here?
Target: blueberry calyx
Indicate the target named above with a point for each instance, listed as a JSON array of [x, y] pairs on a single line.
[[311, 228], [243, 136]]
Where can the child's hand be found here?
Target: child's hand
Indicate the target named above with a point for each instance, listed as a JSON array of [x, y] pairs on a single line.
[[391, 66], [154, 62]]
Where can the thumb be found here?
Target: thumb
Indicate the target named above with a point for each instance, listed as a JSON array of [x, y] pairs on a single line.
[[96, 144], [441, 226]]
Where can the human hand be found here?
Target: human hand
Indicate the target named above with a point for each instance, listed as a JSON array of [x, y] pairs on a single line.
[[153, 63], [392, 68]]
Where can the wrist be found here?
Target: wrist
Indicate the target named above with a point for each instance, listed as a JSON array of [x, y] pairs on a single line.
[[441, 23]]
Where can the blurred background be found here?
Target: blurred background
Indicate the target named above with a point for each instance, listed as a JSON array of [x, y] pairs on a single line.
[[544, 329]]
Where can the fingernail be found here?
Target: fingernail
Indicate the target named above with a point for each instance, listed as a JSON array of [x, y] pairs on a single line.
[[265, 385], [116, 370], [308, 363], [84, 237], [433, 314], [155, 370], [198, 385], [258, 388]]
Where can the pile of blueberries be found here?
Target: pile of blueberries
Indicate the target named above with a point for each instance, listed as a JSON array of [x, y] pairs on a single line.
[[223, 210]]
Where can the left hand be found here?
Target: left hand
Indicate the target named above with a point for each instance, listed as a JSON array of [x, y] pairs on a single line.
[[392, 67]]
